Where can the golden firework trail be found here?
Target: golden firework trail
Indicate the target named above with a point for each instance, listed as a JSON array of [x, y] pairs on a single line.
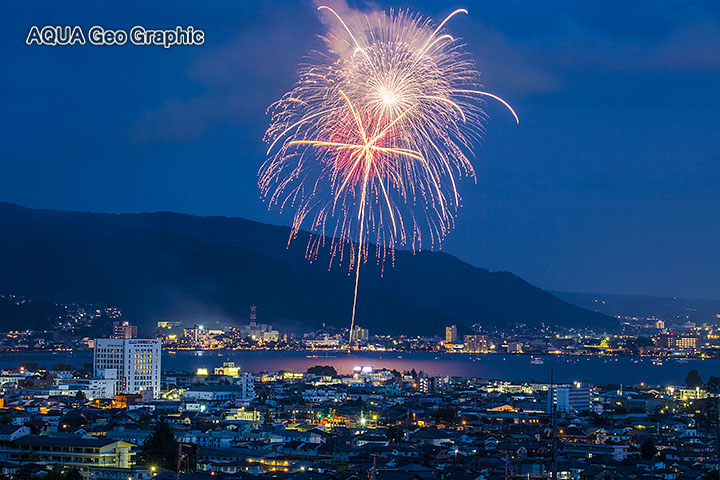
[[369, 144]]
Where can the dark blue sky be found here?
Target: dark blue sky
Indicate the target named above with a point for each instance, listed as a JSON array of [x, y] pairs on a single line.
[[611, 182]]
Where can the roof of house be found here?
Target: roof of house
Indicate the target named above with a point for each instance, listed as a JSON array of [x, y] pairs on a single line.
[[9, 429], [65, 441]]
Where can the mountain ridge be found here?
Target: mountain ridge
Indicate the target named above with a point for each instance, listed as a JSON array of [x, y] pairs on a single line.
[[676, 309], [171, 266]]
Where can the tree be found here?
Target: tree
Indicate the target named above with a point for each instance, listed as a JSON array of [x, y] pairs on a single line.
[[29, 366], [73, 474], [323, 370], [693, 379], [713, 384], [446, 415], [145, 419], [394, 434], [648, 449], [293, 398], [261, 394], [355, 403], [711, 475], [160, 448], [62, 474], [61, 367], [86, 371], [72, 421], [268, 418]]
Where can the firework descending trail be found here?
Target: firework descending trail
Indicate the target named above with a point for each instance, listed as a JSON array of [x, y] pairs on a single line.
[[369, 144]]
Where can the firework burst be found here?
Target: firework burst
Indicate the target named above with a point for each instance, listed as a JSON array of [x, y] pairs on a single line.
[[370, 143]]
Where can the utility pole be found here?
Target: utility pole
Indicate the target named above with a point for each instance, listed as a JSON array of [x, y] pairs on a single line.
[[177, 472], [717, 429], [507, 467], [553, 409], [180, 457]]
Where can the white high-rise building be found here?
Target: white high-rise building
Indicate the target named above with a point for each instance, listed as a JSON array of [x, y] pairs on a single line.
[[246, 381], [570, 399], [134, 362]]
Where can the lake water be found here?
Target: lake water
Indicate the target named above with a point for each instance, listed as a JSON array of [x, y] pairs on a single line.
[[515, 368]]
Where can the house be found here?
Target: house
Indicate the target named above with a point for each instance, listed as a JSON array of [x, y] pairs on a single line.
[[433, 436], [10, 433], [595, 473], [370, 439]]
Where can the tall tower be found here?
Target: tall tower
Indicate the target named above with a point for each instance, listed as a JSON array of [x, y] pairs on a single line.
[[124, 330], [451, 334], [253, 316]]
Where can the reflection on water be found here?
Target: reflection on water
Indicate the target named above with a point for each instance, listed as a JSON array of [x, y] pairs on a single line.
[[508, 367]]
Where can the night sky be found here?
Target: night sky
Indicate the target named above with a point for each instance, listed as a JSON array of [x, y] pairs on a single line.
[[611, 182]]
